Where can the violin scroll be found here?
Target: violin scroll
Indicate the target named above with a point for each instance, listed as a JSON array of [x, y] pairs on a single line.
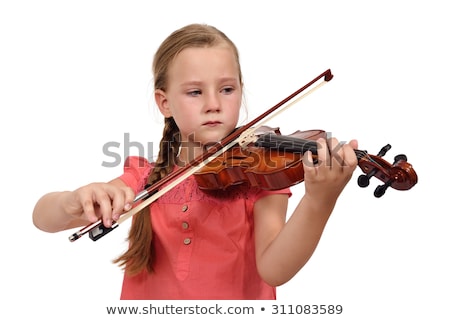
[[399, 175]]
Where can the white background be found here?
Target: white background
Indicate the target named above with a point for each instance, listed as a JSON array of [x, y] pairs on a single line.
[[75, 75]]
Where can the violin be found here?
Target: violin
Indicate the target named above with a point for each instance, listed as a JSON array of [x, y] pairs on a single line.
[[260, 156], [274, 162]]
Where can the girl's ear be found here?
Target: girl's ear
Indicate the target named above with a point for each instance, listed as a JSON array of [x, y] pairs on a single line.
[[161, 101]]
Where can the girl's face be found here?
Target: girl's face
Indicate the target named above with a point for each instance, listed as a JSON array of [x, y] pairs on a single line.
[[203, 94]]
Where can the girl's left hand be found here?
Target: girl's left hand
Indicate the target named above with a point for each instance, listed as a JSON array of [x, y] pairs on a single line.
[[326, 176]]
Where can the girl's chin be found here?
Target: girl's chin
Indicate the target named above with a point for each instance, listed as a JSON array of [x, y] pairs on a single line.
[[209, 143], [208, 137], [212, 139]]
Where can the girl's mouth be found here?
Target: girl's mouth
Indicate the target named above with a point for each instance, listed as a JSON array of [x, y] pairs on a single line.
[[212, 123]]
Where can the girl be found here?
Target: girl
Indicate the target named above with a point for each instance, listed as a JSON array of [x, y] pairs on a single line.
[[191, 244]]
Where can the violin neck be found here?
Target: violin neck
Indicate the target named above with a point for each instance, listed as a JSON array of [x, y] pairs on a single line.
[[286, 143], [292, 144]]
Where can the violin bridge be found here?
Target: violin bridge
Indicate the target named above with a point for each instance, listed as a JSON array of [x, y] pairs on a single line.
[[247, 137]]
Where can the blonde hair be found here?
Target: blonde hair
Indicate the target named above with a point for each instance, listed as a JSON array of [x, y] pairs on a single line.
[[139, 255]]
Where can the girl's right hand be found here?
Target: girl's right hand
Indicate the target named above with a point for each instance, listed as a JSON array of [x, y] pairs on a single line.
[[99, 200]]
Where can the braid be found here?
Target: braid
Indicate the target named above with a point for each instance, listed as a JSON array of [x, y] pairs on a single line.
[[168, 149], [140, 251]]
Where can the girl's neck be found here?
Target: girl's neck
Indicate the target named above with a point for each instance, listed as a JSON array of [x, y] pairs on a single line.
[[189, 151]]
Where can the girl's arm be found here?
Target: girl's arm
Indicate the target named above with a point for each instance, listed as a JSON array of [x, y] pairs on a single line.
[[282, 249], [57, 211]]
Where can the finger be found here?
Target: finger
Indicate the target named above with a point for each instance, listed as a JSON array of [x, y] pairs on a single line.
[[104, 202], [118, 203], [336, 153], [88, 209], [123, 199], [323, 154], [308, 163], [350, 159], [353, 143], [129, 198]]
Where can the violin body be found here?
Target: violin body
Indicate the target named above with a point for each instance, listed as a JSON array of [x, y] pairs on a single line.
[[265, 168]]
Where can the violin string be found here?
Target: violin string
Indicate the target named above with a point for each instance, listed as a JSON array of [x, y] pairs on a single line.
[[363, 154], [285, 143]]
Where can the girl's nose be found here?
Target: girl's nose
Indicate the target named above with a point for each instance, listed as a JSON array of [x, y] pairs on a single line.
[[212, 103]]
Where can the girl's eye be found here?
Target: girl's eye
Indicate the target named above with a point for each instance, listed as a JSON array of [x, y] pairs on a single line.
[[194, 93], [228, 90]]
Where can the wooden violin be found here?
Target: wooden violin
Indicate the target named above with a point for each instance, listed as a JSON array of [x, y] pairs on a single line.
[[267, 160], [274, 162]]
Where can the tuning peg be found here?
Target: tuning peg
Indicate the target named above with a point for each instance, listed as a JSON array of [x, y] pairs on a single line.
[[364, 179], [400, 157], [381, 189], [383, 150]]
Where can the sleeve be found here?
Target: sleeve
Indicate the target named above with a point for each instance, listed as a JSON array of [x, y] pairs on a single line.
[[264, 193], [135, 173]]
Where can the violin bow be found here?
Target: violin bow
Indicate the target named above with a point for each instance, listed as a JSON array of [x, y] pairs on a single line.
[[243, 136]]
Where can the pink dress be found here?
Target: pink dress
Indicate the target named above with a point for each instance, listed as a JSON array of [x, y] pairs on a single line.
[[203, 242]]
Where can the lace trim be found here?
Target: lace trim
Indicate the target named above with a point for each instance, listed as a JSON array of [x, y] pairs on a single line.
[[188, 190]]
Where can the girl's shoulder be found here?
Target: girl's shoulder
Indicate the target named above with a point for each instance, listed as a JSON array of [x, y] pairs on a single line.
[[135, 172]]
